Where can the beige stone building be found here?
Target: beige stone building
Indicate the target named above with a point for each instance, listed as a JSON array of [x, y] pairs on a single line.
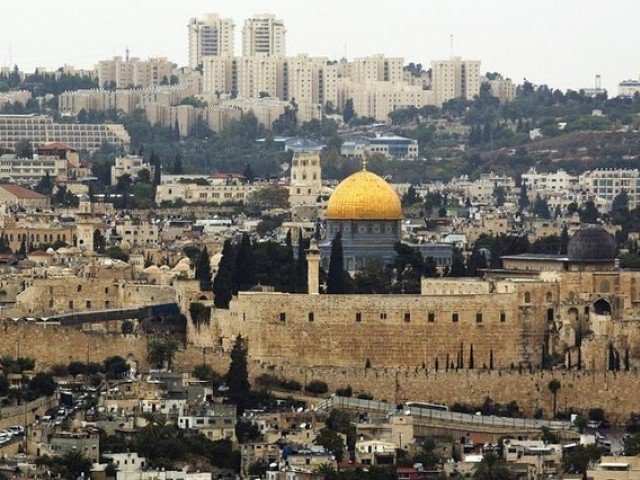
[[130, 165], [615, 468], [306, 178], [455, 78], [209, 35], [15, 195], [133, 72], [263, 35]]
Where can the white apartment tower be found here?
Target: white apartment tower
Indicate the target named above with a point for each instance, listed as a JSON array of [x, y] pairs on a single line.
[[455, 78], [209, 35], [263, 35]]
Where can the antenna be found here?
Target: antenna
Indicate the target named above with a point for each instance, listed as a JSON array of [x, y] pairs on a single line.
[[598, 83], [127, 54], [451, 45]]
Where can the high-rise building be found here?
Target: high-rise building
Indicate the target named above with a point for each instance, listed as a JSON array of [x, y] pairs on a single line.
[[263, 34], [376, 68], [209, 35], [455, 78], [134, 73]]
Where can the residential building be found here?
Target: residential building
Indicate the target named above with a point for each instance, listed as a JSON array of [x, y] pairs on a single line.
[[616, 468], [41, 129], [210, 35], [137, 233], [389, 146], [29, 171], [548, 183], [205, 191], [305, 186], [214, 422], [130, 165], [455, 78], [375, 452], [606, 183], [503, 89], [15, 96], [263, 34], [629, 88], [129, 466], [11, 194], [134, 73], [376, 68]]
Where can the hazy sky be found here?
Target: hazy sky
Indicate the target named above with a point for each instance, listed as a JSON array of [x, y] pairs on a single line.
[[560, 42]]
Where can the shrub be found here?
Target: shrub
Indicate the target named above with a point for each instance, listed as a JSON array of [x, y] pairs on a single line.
[[316, 387], [365, 396], [345, 392], [59, 370], [290, 385]]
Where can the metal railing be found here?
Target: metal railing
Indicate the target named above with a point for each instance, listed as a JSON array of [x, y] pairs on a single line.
[[446, 416]]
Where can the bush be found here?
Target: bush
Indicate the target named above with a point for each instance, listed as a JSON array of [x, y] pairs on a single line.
[[345, 392], [59, 370], [365, 396], [272, 381], [596, 414], [316, 387], [290, 385]]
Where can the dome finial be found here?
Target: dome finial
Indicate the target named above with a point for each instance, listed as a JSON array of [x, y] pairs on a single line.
[[364, 164]]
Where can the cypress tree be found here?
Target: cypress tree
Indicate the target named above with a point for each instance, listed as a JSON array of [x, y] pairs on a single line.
[[245, 265], [626, 360], [22, 251], [564, 240], [335, 277], [154, 160], [491, 359], [471, 362], [291, 278], [224, 283], [238, 376], [203, 270], [301, 266]]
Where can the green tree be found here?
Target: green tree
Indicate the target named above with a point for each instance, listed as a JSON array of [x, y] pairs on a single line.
[[116, 367], [491, 468], [160, 351], [336, 275], [348, 112], [203, 270], [224, 281], [541, 208], [458, 268], [24, 149], [45, 185], [245, 265], [578, 459], [589, 213], [301, 265], [332, 442], [620, 208], [632, 445], [267, 198], [554, 386], [238, 376]]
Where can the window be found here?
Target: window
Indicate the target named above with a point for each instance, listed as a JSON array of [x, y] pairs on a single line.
[[454, 317], [503, 317], [431, 317], [311, 316], [383, 316], [478, 318], [407, 317], [106, 290], [527, 297], [358, 317], [283, 317], [71, 304], [79, 288]]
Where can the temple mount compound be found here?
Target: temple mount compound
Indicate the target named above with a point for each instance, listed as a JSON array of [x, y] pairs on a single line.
[[367, 212]]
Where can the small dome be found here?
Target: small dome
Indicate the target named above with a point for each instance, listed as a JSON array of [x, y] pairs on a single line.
[[592, 243], [364, 196]]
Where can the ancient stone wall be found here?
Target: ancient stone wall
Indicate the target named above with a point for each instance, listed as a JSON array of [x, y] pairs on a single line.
[[390, 330], [616, 393]]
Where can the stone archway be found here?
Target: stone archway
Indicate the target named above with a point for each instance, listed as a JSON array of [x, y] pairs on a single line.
[[602, 307]]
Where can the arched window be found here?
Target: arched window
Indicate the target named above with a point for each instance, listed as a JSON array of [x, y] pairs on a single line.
[[527, 297]]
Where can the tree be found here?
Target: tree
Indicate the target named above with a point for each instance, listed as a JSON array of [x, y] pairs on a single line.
[[224, 282], [267, 198], [99, 242], [116, 367], [154, 160], [332, 442], [589, 213], [245, 265], [620, 208], [24, 149], [523, 201], [348, 112], [177, 168], [45, 185], [578, 459], [564, 240], [554, 386], [301, 266], [632, 445], [160, 352], [541, 208], [491, 468], [458, 268], [238, 376], [499, 195], [336, 275], [203, 270], [127, 327]]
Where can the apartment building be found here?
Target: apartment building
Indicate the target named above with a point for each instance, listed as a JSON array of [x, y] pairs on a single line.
[[375, 68], [41, 129], [605, 184], [544, 184], [126, 100], [263, 34], [389, 146], [197, 191], [133, 72], [503, 89], [130, 165], [378, 99], [629, 88], [15, 96], [455, 78], [210, 35]]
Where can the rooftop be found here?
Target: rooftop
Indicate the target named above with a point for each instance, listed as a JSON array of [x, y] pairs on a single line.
[[21, 192]]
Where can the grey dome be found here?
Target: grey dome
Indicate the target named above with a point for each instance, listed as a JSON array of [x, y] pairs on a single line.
[[592, 243]]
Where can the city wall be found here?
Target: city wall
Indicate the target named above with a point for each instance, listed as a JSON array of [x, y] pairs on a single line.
[[616, 393]]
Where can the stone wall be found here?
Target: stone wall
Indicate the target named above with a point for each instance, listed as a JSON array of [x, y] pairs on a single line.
[[616, 393], [390, 330]]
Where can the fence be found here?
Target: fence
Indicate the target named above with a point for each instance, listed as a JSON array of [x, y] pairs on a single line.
[[445, 416]]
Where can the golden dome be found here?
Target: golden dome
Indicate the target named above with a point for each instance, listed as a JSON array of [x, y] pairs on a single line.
[[364, 196]]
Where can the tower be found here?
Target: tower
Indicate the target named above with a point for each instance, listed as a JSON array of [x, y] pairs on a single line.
[[306, 178], [313, 268], [263, 35], [209, 35]]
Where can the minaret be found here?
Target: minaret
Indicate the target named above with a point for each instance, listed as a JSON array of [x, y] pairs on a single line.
[[313, 268]]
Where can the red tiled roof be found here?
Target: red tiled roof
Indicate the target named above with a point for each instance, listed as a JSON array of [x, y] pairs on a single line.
[[56, 146], [38, 253], [21, 192]]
